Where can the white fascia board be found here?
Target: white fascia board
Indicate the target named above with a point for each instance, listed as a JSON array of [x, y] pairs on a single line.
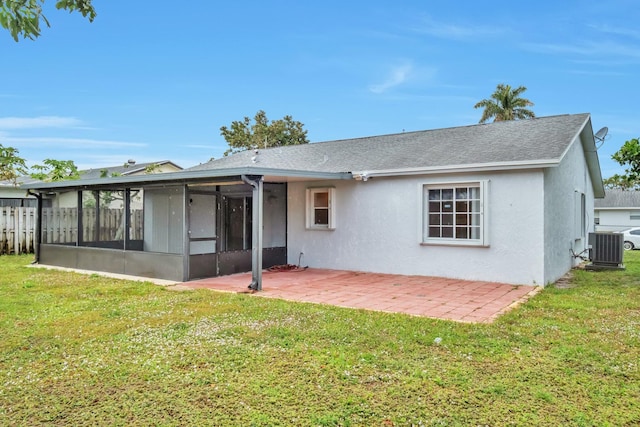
[[576, 136], [182, 177], [588, 142], [595, 172], [477, 167], [627, 208]]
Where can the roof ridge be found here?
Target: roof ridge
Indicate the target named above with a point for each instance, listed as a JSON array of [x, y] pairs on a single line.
[[386, 135]]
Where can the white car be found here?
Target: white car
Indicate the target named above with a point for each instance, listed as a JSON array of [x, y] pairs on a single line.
[[631, 238]]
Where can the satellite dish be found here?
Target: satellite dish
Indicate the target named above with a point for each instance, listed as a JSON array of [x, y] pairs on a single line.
[[601, 135]]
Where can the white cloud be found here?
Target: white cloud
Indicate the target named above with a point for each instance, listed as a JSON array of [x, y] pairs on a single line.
[[627, 32], [396, 77], [597, 73], [38, 122], [592, 49], [83, 143], [456, 32]]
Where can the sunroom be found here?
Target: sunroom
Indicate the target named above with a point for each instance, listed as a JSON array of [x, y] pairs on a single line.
[[176, 226]]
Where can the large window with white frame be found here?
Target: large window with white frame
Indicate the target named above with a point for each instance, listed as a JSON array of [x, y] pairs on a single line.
[[455, 213], [320, 208]]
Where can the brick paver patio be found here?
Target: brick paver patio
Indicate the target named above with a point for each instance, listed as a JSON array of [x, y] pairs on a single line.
[[436, 297]]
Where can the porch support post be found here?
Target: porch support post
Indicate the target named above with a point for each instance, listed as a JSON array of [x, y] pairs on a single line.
[[37, 238], [127, 218], [256, 182], [80, 232], [186, 234]]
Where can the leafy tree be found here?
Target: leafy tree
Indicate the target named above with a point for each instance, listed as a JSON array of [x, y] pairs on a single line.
[[152, 168], [505, 104], [629, 156], [243, 135], [620, 182], [23, 17], [12, 166], [55, 170], [104, 173]]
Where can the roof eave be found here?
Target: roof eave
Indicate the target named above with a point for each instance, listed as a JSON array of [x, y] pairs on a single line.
[[477, 167], [180, 177], [591, 156]]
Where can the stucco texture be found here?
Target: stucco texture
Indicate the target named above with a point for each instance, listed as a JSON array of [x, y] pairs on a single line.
[[562, 235], [379, 229]]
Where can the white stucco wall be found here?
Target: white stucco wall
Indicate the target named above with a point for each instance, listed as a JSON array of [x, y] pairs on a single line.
[[378, 229], [562, 213], [616, 219], [274, 226], [10, 192], [68, 199]]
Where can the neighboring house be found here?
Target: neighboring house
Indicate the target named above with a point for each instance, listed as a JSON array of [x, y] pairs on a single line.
[[619, 210], [130, 168], [58, 213], [12, 195], [16, 196], [506, 202]]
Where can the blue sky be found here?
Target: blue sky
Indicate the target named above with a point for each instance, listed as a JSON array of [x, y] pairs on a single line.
[[152, 83]]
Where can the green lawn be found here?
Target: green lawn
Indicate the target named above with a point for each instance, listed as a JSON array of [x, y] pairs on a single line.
[[87, 350]]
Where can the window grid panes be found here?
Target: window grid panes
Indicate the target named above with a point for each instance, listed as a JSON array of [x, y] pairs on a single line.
[[321, 208], [320, 214], [454, 213]]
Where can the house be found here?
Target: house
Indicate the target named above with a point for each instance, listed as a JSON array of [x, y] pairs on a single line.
[[11, 195], [130, 168], [14, 196], [619, 210], [506, 202]]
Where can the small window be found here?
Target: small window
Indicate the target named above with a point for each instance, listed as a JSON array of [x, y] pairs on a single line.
[[634, 215], [454, 214], [580, 223], [320, 208]]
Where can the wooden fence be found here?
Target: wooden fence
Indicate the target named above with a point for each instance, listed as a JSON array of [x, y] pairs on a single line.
[[60, 225], [17, 230]]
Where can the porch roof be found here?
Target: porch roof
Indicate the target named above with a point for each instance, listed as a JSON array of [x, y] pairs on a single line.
[[186, 177]]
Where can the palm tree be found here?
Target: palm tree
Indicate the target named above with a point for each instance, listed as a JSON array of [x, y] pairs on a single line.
[[505, 104]]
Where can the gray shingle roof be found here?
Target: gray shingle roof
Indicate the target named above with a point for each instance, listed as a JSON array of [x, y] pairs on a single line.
[[89, 174], [21, 180], [125, 169], [540, 142], [521, 141], [619, 199]]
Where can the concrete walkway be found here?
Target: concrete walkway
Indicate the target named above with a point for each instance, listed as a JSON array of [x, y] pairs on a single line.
[[435, 297]]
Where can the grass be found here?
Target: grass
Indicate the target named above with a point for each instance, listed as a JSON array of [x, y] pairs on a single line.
[[87, 350]]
